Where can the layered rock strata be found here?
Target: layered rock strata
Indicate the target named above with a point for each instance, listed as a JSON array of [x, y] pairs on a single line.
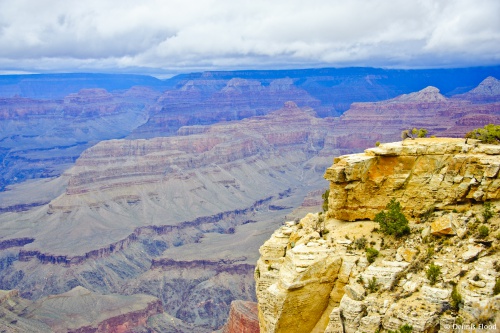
[[365, 123], [77, 311], [423, 174], [315, 275], [42, 138], [243, 318], [135, 211]]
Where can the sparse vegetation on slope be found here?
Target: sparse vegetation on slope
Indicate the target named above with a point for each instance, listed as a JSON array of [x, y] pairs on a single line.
[[488, 212], [371, 254], [433, 273]]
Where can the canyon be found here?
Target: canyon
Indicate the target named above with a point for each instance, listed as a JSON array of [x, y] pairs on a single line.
[[176, 207], [47, 121]]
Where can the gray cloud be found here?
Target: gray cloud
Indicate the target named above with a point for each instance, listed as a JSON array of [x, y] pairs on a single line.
[[176, 35]]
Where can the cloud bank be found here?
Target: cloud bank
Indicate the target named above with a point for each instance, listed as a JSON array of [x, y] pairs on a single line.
[[176, 36]]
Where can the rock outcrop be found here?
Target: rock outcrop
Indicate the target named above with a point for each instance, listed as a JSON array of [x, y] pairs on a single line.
[[423, 174], [243, 318], [326, 274]]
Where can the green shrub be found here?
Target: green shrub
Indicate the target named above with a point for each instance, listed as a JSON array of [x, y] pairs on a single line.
[[360, 243], [488, 212], [325, 196], [488, 134], [371, 254], [456, 299], [320, 225], [496, 288], [372, 285], [483, 231], [419, 133], [393, 222], [433, 273], [430, 251], [406, 328]]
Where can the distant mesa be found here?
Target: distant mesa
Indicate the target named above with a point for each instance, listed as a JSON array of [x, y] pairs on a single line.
[[429, 95]]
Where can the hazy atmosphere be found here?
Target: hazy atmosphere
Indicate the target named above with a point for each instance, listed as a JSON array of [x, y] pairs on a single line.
[[162, 37], [229, 166]]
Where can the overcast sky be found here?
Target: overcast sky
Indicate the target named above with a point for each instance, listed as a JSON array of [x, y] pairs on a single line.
[[174, 36]]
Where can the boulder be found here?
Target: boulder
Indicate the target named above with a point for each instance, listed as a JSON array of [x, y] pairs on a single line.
[[472, 252], [445, 225]]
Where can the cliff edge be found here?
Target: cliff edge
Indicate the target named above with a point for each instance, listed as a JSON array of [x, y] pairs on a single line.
[[326, 274]]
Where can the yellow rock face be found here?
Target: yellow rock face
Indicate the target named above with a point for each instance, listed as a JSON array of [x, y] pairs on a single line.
[[294, 286], [310, 280], [421, 174]]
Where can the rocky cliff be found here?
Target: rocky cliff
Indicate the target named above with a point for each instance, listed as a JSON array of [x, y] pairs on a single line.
[[325, 274]]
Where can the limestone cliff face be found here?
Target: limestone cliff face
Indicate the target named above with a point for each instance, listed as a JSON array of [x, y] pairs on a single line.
[[314, 274], [422, 174]]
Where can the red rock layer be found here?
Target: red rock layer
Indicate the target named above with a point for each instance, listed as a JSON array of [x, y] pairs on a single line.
[[243, 318]]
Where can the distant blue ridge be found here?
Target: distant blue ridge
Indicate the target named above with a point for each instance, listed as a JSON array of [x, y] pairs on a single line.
[[332, 86]]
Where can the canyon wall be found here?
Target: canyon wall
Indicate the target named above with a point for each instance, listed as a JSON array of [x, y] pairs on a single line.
[[77, 311], [46, 121], [173, 217]]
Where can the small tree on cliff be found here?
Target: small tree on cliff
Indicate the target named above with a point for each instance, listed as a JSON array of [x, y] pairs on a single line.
[[488, 134], [393, 222], [422, 133], [325, 200], [406, 134], [414, 133]]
